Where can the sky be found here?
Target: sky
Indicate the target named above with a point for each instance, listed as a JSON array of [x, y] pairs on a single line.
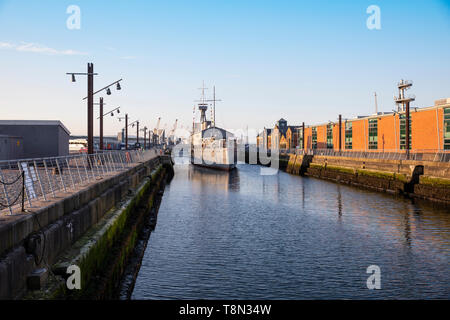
[[305, 61]]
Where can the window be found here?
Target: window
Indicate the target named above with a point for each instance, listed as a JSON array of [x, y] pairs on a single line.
[[314, 138], [403, 132], [329, 136], [348, 135], [447, 128], [300, 138], [373, 134]]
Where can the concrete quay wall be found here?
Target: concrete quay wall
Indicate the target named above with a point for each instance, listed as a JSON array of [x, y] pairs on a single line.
[[418, 179], [421, 179], [34, 240]]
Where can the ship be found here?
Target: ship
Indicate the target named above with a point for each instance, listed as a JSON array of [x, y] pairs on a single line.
[[211, 146]]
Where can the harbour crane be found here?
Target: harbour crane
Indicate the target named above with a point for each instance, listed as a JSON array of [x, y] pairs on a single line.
[[172, 132], [155, 132]]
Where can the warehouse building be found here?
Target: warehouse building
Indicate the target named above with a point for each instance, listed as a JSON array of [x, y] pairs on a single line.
[[384, 131], [11, 147], [40, 138], [429, 130]]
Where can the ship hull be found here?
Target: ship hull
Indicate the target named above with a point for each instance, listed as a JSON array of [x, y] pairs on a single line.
[[215, 166], [206, 161], [217, 158], [214, 148]]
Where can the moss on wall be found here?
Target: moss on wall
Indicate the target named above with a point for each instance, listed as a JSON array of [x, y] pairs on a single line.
[[102, 259], [435, 182], [340, 169], [376, 174]]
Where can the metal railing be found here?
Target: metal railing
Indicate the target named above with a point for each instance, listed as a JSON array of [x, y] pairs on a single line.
[[26, 181], [418, 155]]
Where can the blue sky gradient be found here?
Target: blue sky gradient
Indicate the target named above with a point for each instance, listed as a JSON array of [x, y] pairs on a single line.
[[300, 60]]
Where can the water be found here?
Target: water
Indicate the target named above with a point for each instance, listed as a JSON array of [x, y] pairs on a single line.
[[241, 235]]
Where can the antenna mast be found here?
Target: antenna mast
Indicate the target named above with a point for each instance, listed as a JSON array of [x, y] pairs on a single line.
[[214, 106], [376, 104]]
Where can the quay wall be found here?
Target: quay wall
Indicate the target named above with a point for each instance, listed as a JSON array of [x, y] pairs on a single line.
[[32, 243], [419, 179]]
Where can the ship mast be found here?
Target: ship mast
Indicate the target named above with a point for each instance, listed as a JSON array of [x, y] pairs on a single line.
[[203, 107], [214, 106]]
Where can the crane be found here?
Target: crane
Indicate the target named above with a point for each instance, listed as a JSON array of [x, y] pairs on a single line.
[[155, 132], [172, 132], [174, 128]]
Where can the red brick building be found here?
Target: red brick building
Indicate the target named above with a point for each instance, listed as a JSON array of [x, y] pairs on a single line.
[[429, 130]]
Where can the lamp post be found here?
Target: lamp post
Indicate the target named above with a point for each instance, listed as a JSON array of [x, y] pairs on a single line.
[[91, 97], [101, 120], [132, 125], [126, 131], [101, 123], [126, 128], [145, 137], [340, 132], [90, 100], [90, 103], [137, 133]]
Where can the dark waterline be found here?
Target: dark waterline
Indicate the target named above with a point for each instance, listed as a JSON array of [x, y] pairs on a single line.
[[242, 235]]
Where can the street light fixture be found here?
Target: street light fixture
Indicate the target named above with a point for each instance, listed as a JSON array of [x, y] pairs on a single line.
[[145, 137], [101, 120], [137, 129], [111, 112], [126, 129], [105, 88], [90, 103]]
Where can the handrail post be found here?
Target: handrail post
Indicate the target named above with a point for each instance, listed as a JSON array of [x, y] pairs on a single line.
[[6, 192], [23, 191], [60, 175], [48, 178], [39, 180], [78, 168], [70, 173]]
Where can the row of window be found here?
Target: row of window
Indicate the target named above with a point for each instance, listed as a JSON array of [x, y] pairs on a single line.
[[403, 132], [348, 135], [373, 134], [314, 138], [447, 128], [329, 136]]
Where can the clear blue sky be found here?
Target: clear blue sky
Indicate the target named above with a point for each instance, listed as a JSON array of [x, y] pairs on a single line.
[[300, 60]]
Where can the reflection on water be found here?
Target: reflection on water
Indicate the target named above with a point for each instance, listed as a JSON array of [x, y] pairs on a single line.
[[242, 235], [209, 178]]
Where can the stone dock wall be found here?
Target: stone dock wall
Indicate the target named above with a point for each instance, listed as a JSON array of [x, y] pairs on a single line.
[[419, 179], [94, 228]]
